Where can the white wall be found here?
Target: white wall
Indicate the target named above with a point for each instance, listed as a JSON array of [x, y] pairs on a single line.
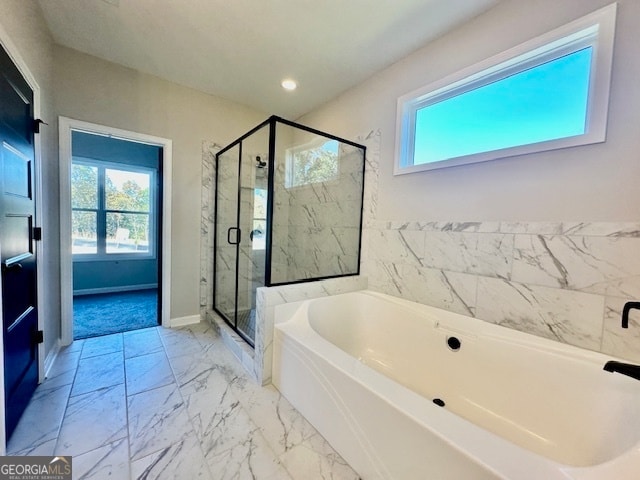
[[101, 92], [589, 183]]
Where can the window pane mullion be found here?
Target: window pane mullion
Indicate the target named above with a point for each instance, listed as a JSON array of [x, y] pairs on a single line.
[[102, 215]]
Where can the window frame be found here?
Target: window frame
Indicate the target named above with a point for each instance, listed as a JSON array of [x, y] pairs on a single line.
[[102, 211], [596, 29]]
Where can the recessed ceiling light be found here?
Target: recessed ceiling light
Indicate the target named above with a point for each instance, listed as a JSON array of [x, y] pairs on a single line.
[[289, 84]]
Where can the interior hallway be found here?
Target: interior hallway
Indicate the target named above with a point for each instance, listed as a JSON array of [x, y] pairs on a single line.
[[172, 404]]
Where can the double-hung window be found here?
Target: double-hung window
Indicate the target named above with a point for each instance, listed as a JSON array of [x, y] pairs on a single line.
[[112, 210], [551, 92]]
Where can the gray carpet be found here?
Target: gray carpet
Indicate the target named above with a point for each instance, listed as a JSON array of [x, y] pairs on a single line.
[[97, 315]]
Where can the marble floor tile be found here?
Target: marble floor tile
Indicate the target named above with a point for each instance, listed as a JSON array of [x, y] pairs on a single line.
[[102, 345], [248, 457], [280, 423], [38, 429], [81, 433], [141, 342], [109, 462], [204, 333], [194, 374], [232, 443], [126, 417], [179, 342], [147, 372], [157, 420], [211, 409], [98, 372], [180, 460], [315, 458], [66, 363]]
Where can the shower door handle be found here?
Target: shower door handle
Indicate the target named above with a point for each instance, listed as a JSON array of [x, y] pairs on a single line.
[[238, 233]]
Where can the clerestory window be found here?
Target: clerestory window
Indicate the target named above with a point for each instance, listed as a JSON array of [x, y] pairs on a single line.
[[551, 92]]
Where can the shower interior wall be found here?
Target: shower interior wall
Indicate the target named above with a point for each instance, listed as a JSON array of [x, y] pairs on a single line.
[[316, 225]]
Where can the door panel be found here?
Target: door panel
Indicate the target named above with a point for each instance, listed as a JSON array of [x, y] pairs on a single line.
[[226, 234], [239, 257], [17, 172], [17, 252]]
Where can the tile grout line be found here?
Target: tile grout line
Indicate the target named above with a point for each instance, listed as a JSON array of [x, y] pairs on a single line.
[[66, 407]]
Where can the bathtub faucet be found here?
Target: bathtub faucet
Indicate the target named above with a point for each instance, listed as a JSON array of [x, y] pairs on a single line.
[[625, 312], [628, 369]]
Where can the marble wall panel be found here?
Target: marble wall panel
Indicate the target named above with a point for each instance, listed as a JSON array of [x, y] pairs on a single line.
[[616, 340], [207, 230], [371, 175], [602, 229], [489, 254], [448, 290], [604, 265], [562, 315], [398, 246]]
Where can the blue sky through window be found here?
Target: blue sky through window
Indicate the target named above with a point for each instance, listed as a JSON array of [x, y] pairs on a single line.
[[543, 103]]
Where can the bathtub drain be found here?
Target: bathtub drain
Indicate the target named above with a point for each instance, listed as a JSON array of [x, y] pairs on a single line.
[[454, 343], [438, 402]]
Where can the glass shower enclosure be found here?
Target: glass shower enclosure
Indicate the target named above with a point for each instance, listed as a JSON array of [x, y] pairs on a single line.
[[288, 209]]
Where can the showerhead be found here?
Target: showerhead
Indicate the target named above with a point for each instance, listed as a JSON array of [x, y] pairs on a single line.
[[260, 163]]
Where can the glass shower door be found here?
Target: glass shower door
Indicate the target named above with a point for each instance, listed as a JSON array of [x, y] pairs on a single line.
[[241, 194], [251, 256], [227, 234]]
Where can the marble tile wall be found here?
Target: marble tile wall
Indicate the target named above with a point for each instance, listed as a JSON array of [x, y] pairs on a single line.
[[316, 226], [207, 225], [565, 281]]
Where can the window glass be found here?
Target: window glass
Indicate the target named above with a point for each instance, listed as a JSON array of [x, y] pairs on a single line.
[[127, 190], [313, 165], [259, 219], [542, 103], [111, 210], [84, 232], [127, 232], [84, 186]]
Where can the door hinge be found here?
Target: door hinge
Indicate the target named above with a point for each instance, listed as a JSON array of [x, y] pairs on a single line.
[[37, 233], [36, 125], [38, 337]]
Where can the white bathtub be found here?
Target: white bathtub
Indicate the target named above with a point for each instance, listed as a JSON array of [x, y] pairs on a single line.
[[364, 369]]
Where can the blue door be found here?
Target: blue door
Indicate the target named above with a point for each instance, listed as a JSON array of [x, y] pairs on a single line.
[[17, 242]]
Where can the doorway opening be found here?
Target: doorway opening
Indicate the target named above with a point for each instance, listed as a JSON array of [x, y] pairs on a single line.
[[114, 230], [115, 200]]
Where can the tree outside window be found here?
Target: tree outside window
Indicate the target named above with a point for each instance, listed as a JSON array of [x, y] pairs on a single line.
[[111, 209]]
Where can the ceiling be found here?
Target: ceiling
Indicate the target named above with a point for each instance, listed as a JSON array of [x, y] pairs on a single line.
[[242, 49]]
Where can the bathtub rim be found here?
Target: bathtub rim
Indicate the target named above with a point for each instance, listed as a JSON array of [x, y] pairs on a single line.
[[292, 321]]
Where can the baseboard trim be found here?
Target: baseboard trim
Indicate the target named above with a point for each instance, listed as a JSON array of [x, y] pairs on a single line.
[[182, 321], [49, 360], [124, 288]]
